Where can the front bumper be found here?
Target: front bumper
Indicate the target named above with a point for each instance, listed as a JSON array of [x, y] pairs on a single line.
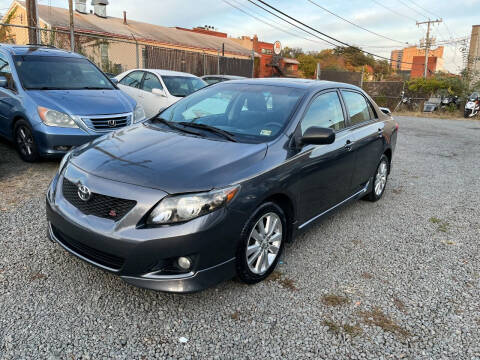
[[131, 252], [56, 141]]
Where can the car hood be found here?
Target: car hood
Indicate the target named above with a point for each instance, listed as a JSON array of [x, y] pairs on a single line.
[[173, 162], [84, 102]]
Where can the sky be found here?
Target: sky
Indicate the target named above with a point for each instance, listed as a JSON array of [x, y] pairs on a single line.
[[393, 19]]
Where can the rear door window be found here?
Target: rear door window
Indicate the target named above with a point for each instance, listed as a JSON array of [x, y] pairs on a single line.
[[133, 79], [357, 107]]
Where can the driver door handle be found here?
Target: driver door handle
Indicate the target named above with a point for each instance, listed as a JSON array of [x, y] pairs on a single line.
[[348, 145]]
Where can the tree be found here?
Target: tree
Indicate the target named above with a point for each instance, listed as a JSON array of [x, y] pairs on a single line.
[[308, 65], [5, 30]]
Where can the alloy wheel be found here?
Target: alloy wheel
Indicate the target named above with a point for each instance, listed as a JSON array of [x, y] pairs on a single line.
[[381, 178], [25, 141], [264, 243]]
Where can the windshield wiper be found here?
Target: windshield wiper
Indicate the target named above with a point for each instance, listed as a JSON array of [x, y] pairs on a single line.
[[213, 129], [171, 125], [93, 88], [45, 88]]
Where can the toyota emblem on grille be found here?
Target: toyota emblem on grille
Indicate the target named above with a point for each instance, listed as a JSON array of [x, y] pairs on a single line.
[[84, 193], [112, 123]]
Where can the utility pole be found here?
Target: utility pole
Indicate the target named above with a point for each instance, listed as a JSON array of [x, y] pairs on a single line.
[[427, 41], [32, 22], [72, 26]]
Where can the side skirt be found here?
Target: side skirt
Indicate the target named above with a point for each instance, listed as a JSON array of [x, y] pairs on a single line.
[[358, 194]]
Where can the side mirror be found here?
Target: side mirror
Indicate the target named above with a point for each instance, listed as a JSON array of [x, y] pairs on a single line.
[[3, 82], [114, 80], [318, 136], [159, 92], [385, 110]]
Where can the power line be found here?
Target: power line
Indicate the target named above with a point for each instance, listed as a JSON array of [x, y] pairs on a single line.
[[356, 25], [267, 22], [394, 11], [318, 31], [288, 22], [411, 8]]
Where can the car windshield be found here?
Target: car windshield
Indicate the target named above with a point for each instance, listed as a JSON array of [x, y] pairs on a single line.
[[59, 73], [182, 86], [251, 113]]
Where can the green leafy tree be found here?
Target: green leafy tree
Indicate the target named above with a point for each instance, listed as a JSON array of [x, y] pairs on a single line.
[[308, 65]]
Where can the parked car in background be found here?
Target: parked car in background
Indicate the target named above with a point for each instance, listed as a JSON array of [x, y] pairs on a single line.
[[211, 189], [158, 89], [432, 104], [213, 79], [52, 100]]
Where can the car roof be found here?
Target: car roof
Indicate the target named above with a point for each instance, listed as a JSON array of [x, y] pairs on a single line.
[[162, 72], [231, 77], [308, 84], [40, 50]]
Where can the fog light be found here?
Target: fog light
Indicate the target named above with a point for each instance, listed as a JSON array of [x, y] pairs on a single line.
[[184, 263]]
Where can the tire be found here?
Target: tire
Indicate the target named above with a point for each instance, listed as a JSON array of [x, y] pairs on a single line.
[[466, 114], [381, 175], [258, 269], [25, 142]]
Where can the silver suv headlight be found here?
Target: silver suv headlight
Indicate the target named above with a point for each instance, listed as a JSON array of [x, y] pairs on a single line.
[[56, 118], [181, 208], [138, 114]]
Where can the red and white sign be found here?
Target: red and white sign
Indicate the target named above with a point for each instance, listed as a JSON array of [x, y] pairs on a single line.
[[277, 47]]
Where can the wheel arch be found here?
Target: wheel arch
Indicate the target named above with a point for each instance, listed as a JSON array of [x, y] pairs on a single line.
[[388, 153], [288, 206]]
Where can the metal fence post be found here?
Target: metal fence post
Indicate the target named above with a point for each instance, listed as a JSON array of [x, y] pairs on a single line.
[[218, 62], [253, 64]]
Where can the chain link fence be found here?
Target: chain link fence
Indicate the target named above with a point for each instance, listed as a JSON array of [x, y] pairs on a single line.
[[114, 55]]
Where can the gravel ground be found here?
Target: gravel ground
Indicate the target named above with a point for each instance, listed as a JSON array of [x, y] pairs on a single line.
[[390, 280]]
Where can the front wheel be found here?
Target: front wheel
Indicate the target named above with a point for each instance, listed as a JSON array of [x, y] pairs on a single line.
[[379, 180], [466, 113], [25, 141], [262, 241]]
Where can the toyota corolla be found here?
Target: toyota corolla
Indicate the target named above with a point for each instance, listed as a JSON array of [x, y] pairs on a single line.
[[216, 184]]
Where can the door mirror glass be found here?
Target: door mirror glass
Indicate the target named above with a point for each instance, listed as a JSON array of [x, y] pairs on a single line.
[[318, 136], [114, 80], [3, 82], [385, 110], [159, 92]]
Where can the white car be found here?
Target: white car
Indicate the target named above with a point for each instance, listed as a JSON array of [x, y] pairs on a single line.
[[157, 89]]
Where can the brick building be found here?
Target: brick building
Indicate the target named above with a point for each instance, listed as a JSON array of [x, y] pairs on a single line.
[[402, 60], [418, 67]]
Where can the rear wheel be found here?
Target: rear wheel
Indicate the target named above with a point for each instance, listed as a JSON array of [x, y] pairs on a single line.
[[379, 180], [261, 245], [25, 141]]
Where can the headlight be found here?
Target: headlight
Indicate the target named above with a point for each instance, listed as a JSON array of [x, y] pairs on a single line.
[[180, 208], [138, 114], [56, 118]]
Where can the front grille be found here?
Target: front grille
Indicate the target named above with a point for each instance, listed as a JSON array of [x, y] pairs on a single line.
[[107, 123], [102, 206], [97, 256]]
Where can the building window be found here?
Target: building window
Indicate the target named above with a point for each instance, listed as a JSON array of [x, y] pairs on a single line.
[[267, 51]]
